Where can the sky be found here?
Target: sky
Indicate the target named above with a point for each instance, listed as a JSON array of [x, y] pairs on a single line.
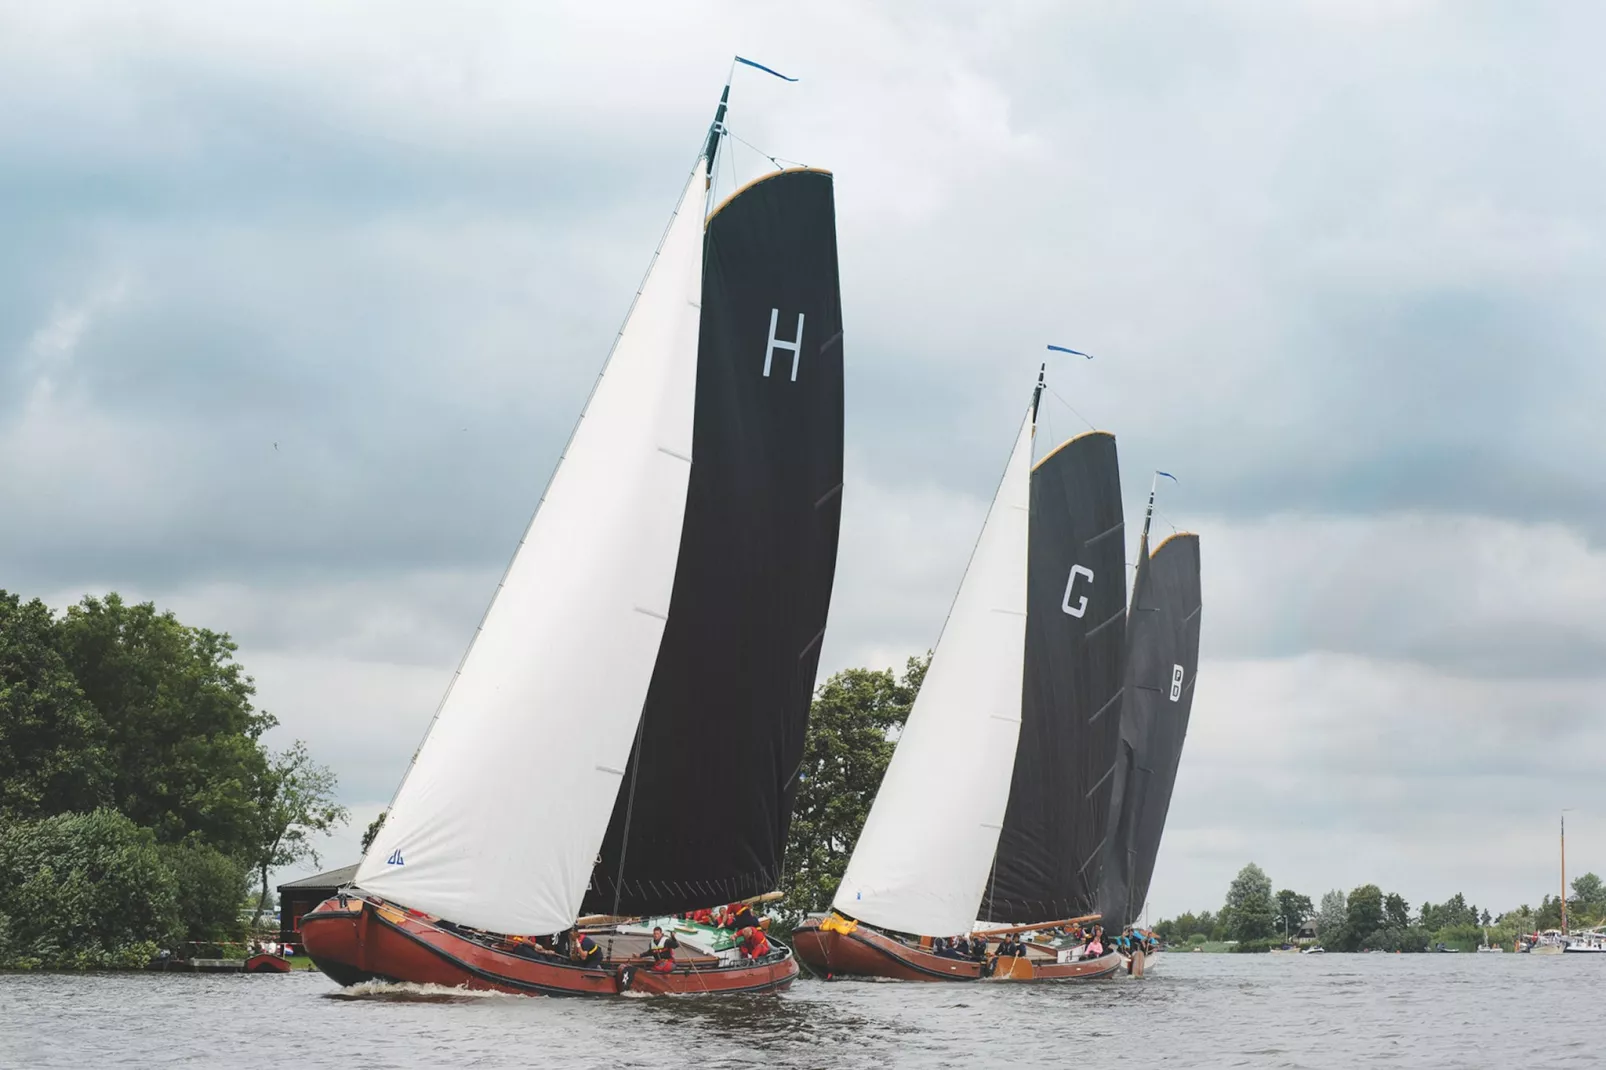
[[297, 308]]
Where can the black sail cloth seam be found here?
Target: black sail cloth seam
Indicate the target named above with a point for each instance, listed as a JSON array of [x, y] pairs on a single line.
[[1047, 865], [724, 721]]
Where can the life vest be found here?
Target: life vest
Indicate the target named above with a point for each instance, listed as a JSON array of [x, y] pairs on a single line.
[[661, 947], [752, 942]]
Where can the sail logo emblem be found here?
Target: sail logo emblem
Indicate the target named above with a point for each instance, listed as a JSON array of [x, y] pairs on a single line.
[[395, 858], [1070, 585], [1176, 682], [795, 345]]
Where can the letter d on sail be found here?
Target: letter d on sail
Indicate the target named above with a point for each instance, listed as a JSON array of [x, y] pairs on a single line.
[[1176, 682], [795, 345], [1070, 584]]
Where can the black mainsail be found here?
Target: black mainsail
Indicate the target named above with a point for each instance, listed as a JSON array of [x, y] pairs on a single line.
[[1049, 850], [1163, 662], [705, 802]]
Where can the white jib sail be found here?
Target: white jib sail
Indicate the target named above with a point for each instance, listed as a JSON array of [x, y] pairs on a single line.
[[498, 823], [922, 861]]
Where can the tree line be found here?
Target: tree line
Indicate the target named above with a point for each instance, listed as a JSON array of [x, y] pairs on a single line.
[[1367, 919], [139, 807]]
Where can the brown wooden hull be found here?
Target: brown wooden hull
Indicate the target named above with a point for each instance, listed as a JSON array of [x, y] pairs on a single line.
[[360, 940], [867, 952]]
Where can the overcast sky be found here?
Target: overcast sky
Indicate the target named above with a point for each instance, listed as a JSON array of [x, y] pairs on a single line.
[[1340, 263]]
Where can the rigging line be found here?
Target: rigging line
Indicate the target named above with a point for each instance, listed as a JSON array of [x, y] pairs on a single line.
[[776, 160], [1174, 529], [1091, 426]]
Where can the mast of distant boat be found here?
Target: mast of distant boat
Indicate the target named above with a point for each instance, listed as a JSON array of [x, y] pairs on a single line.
[[1564, 872]]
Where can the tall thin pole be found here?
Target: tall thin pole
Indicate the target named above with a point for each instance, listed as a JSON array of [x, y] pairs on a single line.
[[1564, 873]]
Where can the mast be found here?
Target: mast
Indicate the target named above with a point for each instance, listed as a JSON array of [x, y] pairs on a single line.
[[715, 130], [1564, 872]]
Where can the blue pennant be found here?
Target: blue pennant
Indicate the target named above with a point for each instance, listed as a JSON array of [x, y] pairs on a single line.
[[766, 70]]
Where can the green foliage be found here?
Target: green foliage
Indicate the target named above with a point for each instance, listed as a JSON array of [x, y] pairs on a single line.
[[1588, 900], [295, 802], [1250, 910], [1256, 947], [1548, 916], [849, 744], [1363, 917], [1293, 908], [180, 734], [210, 887], [1462, 937], [1396, 913], [1330, 918], [84, 891], [51, 757], [373, 830], [1453, 912], [135, 794]]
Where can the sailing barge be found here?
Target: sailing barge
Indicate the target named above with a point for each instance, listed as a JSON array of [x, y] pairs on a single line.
[[1026, 683], [667, 603]]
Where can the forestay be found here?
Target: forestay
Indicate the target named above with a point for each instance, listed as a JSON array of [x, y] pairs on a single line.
[[921, 863], [499, 819]]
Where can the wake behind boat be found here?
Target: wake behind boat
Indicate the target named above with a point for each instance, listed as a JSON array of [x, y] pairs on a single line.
[[1024, 680], [668, 601]]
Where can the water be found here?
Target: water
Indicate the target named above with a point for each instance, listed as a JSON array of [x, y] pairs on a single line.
[[1194, 1010]]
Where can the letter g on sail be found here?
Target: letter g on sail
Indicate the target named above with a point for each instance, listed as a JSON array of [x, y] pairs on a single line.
[[1070, 585]]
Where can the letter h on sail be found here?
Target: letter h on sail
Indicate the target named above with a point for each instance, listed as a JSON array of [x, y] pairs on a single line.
[[796, 345]]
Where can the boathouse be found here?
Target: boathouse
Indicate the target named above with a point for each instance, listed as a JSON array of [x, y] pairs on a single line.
[[298, 897]]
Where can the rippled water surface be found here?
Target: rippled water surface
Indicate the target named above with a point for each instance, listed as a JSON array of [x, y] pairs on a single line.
[[1194, 1010]]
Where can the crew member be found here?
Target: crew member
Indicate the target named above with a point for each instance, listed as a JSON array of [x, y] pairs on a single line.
[[752, 943], [742, 916], [662, 950], [584, 950]]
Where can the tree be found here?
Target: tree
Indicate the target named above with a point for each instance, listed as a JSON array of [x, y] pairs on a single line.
[[1363, 917], [1589, 895], [84, 891], [1249, 908], [850, 741], [295, 801], [1396, 912], [1330, 917], [1293, 908], [373, 830], [181, 754], [210, 887], [51, 759]]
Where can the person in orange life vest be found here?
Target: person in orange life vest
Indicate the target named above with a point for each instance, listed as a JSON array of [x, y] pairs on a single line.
[[752, 943], [703, 916], [662, 950]]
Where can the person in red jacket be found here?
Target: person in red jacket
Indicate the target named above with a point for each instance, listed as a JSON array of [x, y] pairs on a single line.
[[752, 943]]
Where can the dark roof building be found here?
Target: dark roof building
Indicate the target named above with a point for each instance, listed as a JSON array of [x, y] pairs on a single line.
[[298, 897]]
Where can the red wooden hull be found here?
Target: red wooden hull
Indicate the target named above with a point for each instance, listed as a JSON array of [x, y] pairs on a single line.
[[866, 952], [360, 940]]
